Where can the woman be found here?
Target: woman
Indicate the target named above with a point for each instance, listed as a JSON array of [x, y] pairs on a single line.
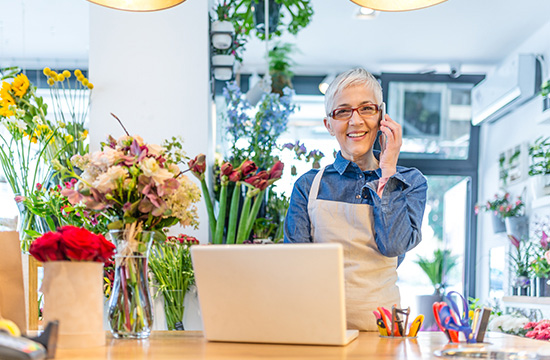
[[363, 200]]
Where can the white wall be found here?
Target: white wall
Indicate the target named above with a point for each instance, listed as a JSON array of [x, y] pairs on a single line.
[[516, 128], [152, 71]]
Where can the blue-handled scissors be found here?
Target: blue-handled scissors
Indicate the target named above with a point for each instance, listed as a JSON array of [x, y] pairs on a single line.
[[449, 321]]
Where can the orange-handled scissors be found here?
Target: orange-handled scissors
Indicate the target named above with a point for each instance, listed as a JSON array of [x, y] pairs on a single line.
[[383, 314]]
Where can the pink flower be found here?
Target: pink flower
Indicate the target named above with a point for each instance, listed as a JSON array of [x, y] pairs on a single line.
[[547, 256], [544, 240], [248, 167], [276, 170], [38, 186], [514, 241], [235, 176], [198, 164]]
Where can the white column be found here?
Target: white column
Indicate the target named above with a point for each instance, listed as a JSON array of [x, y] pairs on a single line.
[[152, 71]]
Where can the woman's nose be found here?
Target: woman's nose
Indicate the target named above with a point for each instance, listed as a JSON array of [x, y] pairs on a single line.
[[355, 118]]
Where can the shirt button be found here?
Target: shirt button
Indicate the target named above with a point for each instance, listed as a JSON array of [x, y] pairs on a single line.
[[358, 196], [360, 176]]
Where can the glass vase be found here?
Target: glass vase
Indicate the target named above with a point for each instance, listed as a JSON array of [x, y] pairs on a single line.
[[27, 224], [130, 304]]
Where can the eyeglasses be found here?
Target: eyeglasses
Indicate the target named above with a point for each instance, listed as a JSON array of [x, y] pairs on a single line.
[[347, 112]]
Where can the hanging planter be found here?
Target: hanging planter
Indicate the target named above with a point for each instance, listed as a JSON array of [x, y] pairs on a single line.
[[498, 224], [517, 226], [259, 15], [223, 66], [222, 34]]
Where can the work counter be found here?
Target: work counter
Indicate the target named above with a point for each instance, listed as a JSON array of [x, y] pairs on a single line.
[[192, 345]]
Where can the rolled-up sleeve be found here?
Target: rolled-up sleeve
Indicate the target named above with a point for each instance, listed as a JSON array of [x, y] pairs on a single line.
[[297, 226], [398, 213]]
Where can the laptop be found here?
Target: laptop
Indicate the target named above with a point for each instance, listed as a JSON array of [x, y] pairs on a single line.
[[283, 293]]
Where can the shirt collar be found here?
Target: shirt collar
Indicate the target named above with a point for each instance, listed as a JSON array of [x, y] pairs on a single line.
[[341, 164]]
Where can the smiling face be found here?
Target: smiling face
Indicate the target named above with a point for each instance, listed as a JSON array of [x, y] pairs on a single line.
[[355, 136]]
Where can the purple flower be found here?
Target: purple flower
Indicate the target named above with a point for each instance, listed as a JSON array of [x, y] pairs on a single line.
[[514, 241]]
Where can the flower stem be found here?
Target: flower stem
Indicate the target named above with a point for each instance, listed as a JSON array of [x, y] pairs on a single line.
[[209, 207], [253, 213], [244, 215], [220, 224], [232, 226]]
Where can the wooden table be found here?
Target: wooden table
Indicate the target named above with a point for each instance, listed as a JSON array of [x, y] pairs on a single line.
[[192, 345]]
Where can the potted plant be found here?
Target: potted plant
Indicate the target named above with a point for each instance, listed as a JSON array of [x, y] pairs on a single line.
[[539, 169], [493, 206], [243, 15], [520, 265], [436, 269], [540, 267], [279, 67], [517, 223]]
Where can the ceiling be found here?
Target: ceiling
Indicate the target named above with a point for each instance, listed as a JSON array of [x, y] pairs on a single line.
[[471, 34]]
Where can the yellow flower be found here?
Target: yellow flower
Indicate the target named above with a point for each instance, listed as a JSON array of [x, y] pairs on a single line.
[[77, 73], [84, 134], [50, 82], [53, 74], [20, 85], [5, 95], [67, 74], [5, 112], [69, 138], [60, 77], [90, 86], [47, 71], [85, 82], [62, 124]]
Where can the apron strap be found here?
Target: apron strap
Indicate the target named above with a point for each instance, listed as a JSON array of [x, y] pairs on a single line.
[[314, 191]]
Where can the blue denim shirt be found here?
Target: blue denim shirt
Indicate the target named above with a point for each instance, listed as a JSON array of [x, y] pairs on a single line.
[[397, 215]]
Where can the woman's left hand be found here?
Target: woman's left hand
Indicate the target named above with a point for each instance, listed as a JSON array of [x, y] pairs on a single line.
[[390, 142]]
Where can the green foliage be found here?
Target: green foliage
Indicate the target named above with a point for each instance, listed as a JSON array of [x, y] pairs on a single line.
[[545, 88], [437, 268], [540, 157]]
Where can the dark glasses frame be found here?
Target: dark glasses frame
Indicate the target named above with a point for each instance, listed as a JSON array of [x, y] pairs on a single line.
[[331, 114]]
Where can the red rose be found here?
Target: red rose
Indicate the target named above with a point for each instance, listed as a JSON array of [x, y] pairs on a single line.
[[47, 248], [79, 244], [106, 249]]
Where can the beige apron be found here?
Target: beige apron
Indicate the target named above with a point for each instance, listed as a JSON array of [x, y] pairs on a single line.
[[370, 276]]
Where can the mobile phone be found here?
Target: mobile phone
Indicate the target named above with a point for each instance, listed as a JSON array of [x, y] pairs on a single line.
[[382, 116]]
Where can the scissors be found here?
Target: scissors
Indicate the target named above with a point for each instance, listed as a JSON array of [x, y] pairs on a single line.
[[459, 324], [452, 335], [416, 325], [385, 314]]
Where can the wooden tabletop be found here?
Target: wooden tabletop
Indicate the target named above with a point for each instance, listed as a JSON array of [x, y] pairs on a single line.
[[192, 345]]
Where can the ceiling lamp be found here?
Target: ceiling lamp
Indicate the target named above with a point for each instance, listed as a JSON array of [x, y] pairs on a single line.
[[396, 5], [323, 85], [138, 5]]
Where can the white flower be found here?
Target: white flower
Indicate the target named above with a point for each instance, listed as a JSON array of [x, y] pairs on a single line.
[[36, 119], [19, 124], [106, 182], [151, 168], [173, 168]]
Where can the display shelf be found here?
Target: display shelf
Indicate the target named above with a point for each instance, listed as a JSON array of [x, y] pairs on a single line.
[[528, 302]]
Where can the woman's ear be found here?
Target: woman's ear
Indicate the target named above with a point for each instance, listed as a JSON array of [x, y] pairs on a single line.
[[328, 125]]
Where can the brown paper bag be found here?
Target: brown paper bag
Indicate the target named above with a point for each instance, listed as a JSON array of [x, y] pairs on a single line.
[[12, 290], [73, 294]]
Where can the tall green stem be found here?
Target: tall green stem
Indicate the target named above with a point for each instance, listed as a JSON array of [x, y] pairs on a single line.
[[232, 226], [244, 215], [220, 224], [253, 213], [209, 208]]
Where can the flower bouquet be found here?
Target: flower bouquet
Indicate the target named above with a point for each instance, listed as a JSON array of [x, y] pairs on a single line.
[[255, 182], [172, 270], [23, 147], [73, 264], [140, 189]]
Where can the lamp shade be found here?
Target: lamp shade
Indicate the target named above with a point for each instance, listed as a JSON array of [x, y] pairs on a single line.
[[396, 5], [138, 5]]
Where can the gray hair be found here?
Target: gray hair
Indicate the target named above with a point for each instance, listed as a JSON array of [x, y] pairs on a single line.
[[353, 77]]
